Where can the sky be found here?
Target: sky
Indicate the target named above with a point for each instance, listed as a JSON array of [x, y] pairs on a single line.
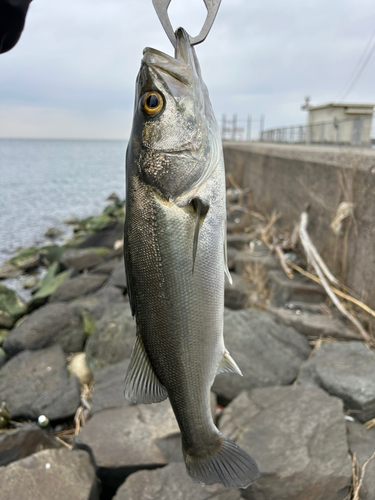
[[73, 72]]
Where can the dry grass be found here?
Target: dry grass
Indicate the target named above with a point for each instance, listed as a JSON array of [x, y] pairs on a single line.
[[255, 277]]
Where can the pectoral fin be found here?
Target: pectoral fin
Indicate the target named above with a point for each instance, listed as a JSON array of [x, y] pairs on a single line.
[[141, 383], [201, 210], [228, 364], [226, 270]]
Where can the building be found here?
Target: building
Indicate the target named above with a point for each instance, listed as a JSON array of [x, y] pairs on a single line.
[[339, 123]]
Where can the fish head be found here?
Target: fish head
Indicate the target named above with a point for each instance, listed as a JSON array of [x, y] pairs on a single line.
[[173, 120]]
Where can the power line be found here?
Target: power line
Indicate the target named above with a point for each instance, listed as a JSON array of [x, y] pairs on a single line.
[[359, 68]]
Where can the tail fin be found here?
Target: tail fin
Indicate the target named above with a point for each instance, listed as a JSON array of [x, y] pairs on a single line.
[[231, 466]]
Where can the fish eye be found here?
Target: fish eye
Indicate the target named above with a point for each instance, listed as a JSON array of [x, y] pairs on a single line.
[[152, 103]]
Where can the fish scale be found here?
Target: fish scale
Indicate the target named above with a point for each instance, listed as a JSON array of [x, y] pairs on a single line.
[[175, 259]]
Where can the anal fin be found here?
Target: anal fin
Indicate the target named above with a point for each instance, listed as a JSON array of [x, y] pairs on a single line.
[[141, 383], [228, 364]]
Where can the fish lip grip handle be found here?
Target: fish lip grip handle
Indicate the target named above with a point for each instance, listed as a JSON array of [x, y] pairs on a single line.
[[161, 7]]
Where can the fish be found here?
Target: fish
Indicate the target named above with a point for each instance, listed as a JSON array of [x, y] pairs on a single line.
[[175, 258]]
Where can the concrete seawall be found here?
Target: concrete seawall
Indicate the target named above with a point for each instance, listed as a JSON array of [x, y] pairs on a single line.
[[287, 177]]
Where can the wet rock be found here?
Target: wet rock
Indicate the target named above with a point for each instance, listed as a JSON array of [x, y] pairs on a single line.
[[267, 352], [4, 415], [49, 284], [76, 287], [3, 357], [313, 324], [106, 236], [99, 302], [26, 259], [345, 370], [298, 289], [24, 441], [235, 295], [118, 277], [30, 283], [3, 334], [51, 253], [37, 382], [113, 338], [71, 221], [362, 443], [169, 483], [53, 232], [109, 387], [50, 475], [297, 437], [12, 307], [50, 324], [106, 267], [124, 440], [8, 271], [77, 367], [80, 259], [94, 224]]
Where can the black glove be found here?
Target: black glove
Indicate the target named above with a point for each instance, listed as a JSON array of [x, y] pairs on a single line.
[[12, 21]]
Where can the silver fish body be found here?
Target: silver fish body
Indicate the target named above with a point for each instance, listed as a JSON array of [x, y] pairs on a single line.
[[175, 246]]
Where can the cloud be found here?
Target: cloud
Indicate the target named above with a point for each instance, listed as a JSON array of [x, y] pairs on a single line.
[[73, 72]]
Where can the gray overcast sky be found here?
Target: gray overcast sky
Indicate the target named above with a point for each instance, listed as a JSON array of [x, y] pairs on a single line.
[[72, 74]]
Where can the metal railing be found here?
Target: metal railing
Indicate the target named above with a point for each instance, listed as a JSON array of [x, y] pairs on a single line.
[[351, 132], [241, 130]]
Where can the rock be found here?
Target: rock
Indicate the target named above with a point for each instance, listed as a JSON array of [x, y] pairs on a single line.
[[77, 287], [113, 197], [8, 271], [108, 389], [71, 221], [113, 338], [105, 237], [248, 259], [53, 232], [77, 367], [3, 357], [4, 415], [50, 475], [31, 282], [26, 259], [51, 324], [12, 307], [49, 284], [362, 443], [235, 295], [123, 440], [24, 441], [105, 268], [313, 325], [51, 253], [267, 352], [345, 370], [170, 483], [3, 334], [37, 382], [298, 289], [297, 437], [99, 302], [118, 277], [80, 259]]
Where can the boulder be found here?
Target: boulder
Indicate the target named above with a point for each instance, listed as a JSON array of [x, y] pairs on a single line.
[[50, 475], [77, 287], [297, 437], [37, 383], [345, 370], [302, 289], [109, 387], [113, 338], [80, 259], [3, 357], [51, 253], [118, 277], [53, 232], [12, 307], [98, 303], [106, 236], [124, 440], [9, 271], [362, 443], [24, 441], [313, 324], [26, 259], [49, 284], [106, 267], [94, 224], [235, 294], [50, 324], [170, 483], [267, 352]]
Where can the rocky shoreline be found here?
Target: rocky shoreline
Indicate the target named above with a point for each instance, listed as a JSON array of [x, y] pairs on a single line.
[[304, 409]]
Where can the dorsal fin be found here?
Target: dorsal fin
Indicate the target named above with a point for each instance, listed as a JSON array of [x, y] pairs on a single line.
[[141, 383]]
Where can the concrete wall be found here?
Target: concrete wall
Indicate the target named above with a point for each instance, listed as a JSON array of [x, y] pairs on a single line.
[[287, 177]]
